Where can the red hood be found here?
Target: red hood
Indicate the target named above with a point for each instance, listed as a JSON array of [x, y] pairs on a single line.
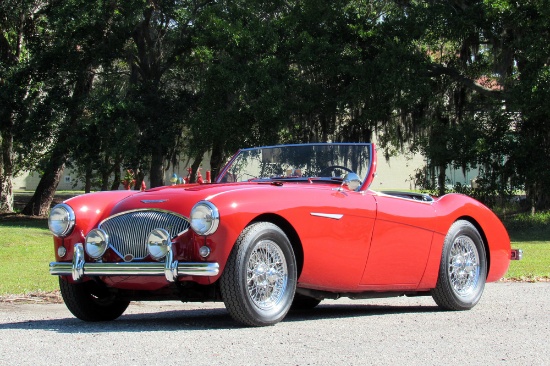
[[179, 198]]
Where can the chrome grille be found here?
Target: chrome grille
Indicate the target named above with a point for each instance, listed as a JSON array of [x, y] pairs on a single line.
[[128, 232]]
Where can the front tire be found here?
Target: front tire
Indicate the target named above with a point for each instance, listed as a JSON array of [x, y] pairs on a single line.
[[90, 302], [463, 268], [259, 280]]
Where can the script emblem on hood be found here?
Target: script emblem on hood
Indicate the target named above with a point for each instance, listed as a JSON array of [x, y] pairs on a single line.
[[153, 201]]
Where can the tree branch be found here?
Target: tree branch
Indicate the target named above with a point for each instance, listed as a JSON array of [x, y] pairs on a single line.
[[438, 70]]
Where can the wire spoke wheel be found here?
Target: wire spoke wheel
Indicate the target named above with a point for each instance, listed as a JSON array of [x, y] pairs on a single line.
[[463, 268], [267, 275], [259, 279]]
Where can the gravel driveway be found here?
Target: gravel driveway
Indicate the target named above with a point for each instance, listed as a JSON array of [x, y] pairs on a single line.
[[511, 325]]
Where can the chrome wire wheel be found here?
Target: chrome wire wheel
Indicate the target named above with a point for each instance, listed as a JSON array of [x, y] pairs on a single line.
[[259, 279], [267, 274], [463, 266]]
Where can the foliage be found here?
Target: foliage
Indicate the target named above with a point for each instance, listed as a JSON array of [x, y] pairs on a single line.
[[143, 82], [490, 61], [16, 25], [524, 226]]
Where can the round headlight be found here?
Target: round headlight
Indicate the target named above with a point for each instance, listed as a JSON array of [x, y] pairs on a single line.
[[97, 242], [61, 220], [158, 243], [205, 218]]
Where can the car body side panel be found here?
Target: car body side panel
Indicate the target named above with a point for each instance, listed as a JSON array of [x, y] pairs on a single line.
[[335, 249], [429, 279], [400, 245], [401, 221]]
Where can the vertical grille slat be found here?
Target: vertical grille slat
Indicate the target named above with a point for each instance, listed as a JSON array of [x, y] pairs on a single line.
[[128, 231]]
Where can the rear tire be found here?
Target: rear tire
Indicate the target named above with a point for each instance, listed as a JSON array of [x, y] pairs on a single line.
[[90, 302], [259, 280], [463, 268]]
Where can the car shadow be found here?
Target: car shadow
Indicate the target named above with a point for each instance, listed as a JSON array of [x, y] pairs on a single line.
[[206, 319]]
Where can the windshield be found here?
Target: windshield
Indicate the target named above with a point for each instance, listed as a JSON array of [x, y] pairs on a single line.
[[299, 162]]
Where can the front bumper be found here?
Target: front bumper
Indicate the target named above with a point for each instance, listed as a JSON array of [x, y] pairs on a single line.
[[171, 269]]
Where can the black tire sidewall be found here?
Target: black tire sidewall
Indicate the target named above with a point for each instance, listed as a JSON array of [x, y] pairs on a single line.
[[444, 295], [249, 313], [85, 306]]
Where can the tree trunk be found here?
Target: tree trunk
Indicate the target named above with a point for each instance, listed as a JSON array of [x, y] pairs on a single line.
[[195, 166], [139, 179], [216, 160], [6, 170], [157, 167], [10, 56], [41, 201], [441, 179], [116, 181], [105, 181], [105, 174], [88, 182]]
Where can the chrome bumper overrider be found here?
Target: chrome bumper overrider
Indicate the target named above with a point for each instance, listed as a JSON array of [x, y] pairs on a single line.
[[171, 269]]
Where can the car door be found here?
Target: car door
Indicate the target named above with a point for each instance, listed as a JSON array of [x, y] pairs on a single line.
[[335, 232], [401, 243]]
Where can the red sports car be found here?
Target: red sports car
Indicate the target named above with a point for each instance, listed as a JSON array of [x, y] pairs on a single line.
[[281, 227]]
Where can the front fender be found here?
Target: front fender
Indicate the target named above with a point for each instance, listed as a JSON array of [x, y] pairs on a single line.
[[89, 209], [452, 207]]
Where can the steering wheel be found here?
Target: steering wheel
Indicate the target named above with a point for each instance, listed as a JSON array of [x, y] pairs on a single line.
[[329, 169]]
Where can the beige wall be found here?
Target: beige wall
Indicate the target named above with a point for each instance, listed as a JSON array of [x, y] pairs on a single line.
[[396, 173], [26, 181]]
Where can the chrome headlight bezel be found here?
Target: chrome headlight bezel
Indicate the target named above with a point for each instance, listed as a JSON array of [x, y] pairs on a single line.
[[61, 220], [97, 242], [204, 218]]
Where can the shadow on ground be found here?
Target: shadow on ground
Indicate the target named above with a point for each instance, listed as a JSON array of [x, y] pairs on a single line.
[[206, 319]]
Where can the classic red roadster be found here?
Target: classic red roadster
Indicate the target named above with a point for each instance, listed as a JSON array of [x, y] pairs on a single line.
[[280, 228]]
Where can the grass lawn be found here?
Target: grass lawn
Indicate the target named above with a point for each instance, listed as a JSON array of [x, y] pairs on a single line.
[[532, 235], [26, 249], [535, 264]]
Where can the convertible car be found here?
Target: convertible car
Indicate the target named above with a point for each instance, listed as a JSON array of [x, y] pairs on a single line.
[[280, 228]]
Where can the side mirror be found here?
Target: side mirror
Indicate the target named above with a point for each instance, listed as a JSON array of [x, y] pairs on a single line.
[[352, 181]]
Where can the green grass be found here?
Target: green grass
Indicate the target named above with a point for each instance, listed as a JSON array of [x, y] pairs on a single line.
[[535, 264], [26, 249], [532, 235]]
